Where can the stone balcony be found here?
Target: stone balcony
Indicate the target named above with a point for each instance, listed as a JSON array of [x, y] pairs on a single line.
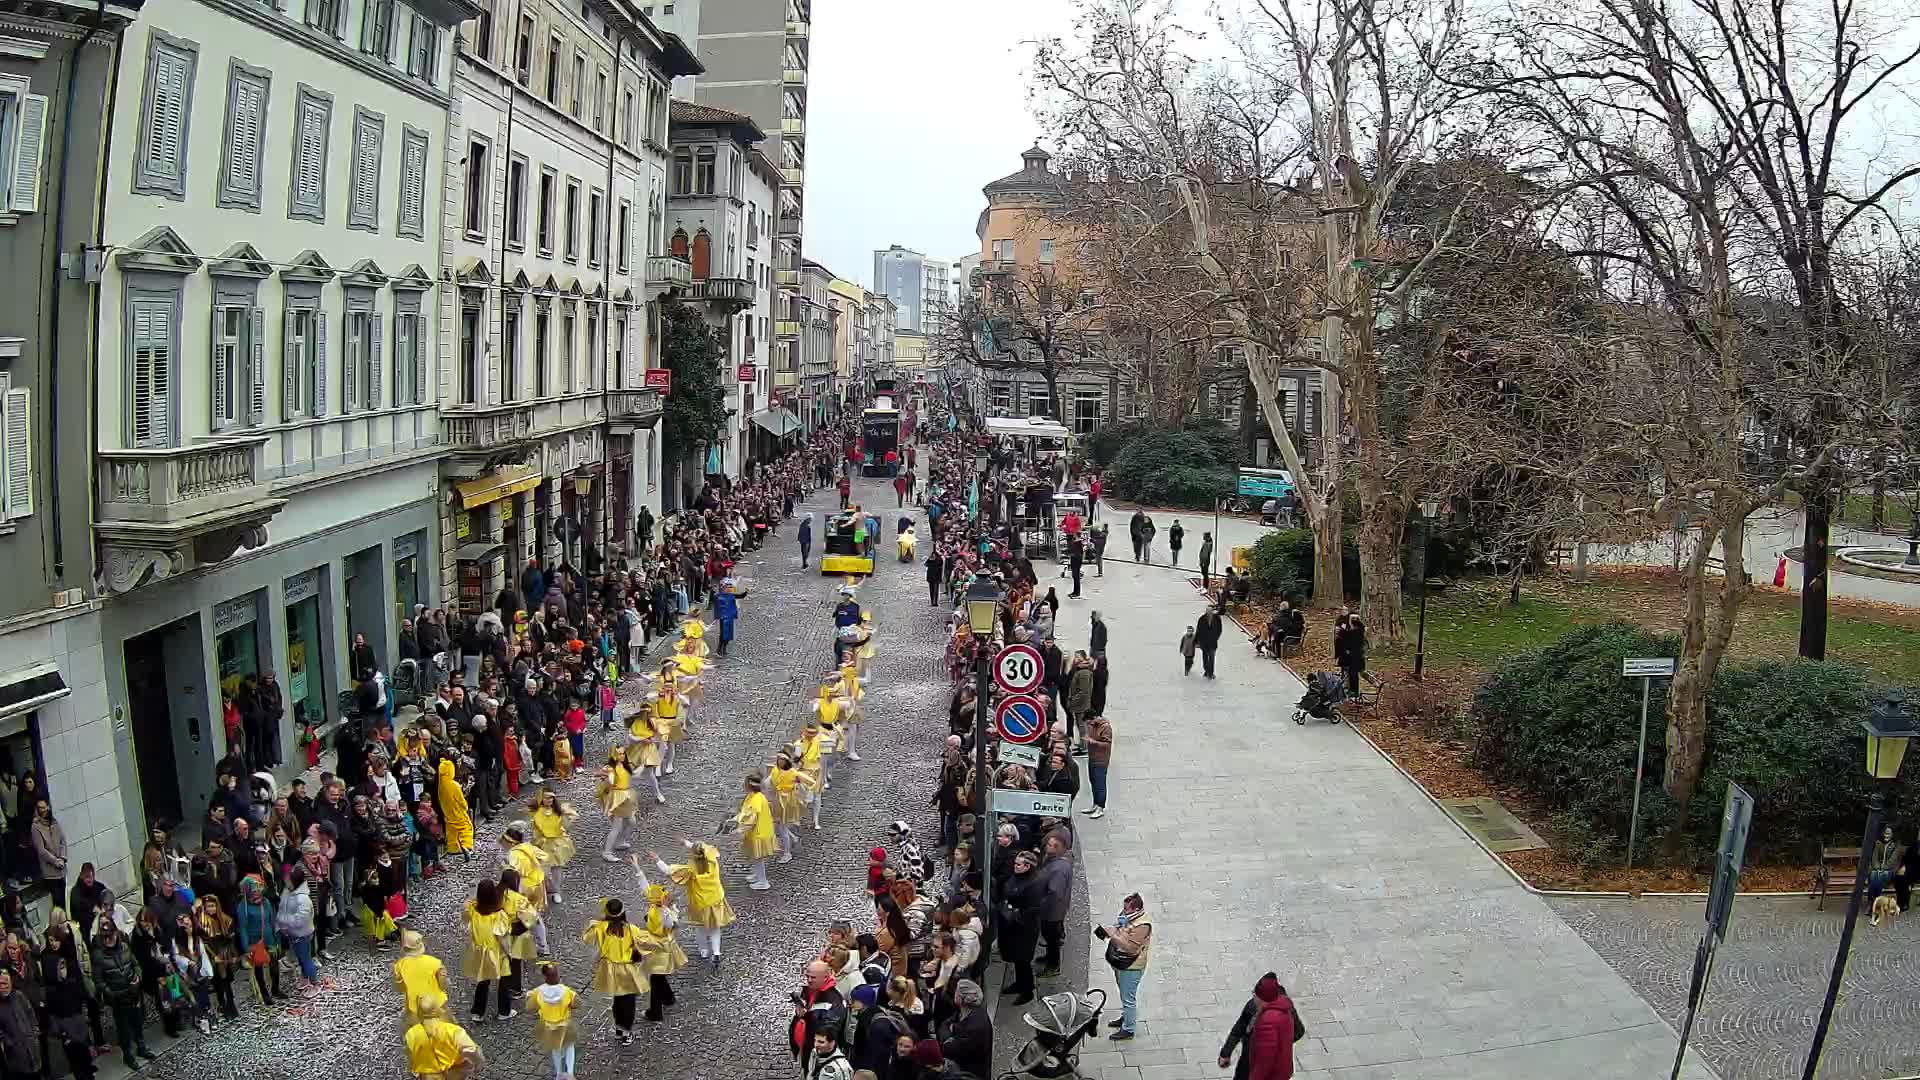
[[164, 512], [630, 409], [725, 293], [666, 273]]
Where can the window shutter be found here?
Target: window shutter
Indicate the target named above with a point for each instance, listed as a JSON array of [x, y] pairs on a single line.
[[27, 153], [311, 157], [159, 403], [413, 186], [170, 104], [366, 172], [243, 171], [257, 378], [19, 449], [289, 367], [222, 369], [319, 372], [348, 402], [374, 357], [419, 360]]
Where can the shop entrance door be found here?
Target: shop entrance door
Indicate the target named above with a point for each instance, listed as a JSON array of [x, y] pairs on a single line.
[[173, 721]]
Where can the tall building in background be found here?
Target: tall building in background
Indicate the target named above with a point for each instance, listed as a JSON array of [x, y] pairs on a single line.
[[935, 288], [900, 273]]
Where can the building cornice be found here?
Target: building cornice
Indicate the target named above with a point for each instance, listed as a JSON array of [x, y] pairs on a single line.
[[275, 22]]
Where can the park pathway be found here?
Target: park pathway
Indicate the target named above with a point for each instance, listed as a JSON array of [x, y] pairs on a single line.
[[1261, 845]]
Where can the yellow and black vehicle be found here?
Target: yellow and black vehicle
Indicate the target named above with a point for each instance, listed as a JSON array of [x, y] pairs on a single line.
[[847, 541]]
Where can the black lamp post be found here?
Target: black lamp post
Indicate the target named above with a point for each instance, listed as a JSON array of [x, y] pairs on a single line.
[[983, 618], [1888, 727], [1429, 509], [1913, 538]]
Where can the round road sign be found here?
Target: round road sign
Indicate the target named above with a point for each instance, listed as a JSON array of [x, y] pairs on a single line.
[[1021, 719], [1018, 669]]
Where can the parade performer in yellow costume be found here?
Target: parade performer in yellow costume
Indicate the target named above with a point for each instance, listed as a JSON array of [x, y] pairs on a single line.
[[486, 955], [617, 971], [552, 1002], [438, 1048], [530, 861], [664, 957], [418, 976], [670, 707], [863, 656], [809, 752], [453, 811], [616, 798], [643, 754], [522, 920], [851, 696], [757, 840], [551, 819], [707, 906], [789, 799], [830, 710], [696, 631]]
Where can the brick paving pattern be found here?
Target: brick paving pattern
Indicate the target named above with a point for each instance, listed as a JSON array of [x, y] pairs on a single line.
[[727, 1025], [1769, 980]]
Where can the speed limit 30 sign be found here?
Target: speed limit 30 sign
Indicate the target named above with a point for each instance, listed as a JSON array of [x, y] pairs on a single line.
[[1018, 669]]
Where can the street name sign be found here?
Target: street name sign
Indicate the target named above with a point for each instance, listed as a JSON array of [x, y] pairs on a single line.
[[1031, 803]]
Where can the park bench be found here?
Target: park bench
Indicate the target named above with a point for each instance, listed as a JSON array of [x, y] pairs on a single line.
[[1369, 696], [1839, 869]]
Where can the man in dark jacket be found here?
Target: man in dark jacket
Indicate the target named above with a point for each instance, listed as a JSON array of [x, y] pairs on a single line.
[[966, 1040], [1206, 637], [333, 813], [1269, 984], [533, 584], [1097, 637], [1056, 878], [817, 1007], [117, 973], [873, 1029], [936, 574]]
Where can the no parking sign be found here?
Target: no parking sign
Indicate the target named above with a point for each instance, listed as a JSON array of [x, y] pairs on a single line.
[[1021, 719]]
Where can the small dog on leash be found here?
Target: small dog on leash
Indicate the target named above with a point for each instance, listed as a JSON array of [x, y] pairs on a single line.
[[1884, 906]]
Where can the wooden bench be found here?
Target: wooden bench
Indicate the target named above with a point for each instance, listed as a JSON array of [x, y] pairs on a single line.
[[1839, 869]]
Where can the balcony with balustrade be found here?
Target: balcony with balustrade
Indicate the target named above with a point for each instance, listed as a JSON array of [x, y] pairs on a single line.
[[164, 512], [666, 273], [726, 294]]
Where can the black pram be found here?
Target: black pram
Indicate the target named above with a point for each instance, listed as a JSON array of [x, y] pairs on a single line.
[[1325, 691]]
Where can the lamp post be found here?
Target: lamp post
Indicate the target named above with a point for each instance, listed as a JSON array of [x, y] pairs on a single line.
[[1888, 727], [983, 616], [1429, 509], [1913, 538]]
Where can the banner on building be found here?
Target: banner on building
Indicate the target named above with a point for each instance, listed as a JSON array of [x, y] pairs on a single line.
[[660, 379]]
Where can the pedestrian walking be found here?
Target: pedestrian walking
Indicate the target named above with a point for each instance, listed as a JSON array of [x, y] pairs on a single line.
[[1268, 1027], [1176, 536], [1099, 750], [1129, 944], [1186, 651], [1206, 637], [806, 538], [1076, 558], [936, 574], [1206, 560]]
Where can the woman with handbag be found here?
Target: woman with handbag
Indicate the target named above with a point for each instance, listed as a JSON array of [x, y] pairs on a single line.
[[1129, 942], [258, 933]]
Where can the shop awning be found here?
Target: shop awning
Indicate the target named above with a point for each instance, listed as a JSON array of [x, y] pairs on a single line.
[[497, 485], [478, 551], [777, 422], [25, 690]]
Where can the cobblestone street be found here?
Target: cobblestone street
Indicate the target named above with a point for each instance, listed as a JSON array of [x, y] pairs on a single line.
[[1769, 979], [727, 1024]]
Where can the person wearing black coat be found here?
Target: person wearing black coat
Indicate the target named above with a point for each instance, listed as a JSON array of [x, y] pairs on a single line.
[[1097, 636], [936, 575], [1020, 912], [966, 1040], [1350, 648], [1237, 1036], [272, 707], [1206, 637]]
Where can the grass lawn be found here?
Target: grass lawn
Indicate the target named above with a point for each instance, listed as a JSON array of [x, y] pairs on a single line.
[[1473, 625]]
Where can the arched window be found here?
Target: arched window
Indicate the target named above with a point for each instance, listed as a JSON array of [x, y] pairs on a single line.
[[702, 254], [679, 243], [682, 172]]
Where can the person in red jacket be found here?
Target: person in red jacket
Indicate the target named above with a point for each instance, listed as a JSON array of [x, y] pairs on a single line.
[[1267, 1029]]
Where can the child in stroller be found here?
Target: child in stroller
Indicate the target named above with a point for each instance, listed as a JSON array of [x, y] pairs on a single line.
[[1325, 691]]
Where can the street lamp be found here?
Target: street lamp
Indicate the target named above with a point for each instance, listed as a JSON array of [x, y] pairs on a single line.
[[1429, 509], [1888, 727], [983, 615], [1913, 538]]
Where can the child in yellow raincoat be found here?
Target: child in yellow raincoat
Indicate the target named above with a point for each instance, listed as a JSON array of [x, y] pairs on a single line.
[[486, 955], [418, 976], [550, 820], [664, 957], [438, 1048], [552, 1001], [757, 840], [616, 798], [707, 906], [789, 799], [647, 729], [617, 971], [453, 811]]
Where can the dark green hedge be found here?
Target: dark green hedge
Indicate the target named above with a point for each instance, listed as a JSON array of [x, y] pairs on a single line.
[[1563, 723], [1171, 468]]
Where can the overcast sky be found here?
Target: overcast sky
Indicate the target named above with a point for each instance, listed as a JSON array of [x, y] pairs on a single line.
[[912, 106]]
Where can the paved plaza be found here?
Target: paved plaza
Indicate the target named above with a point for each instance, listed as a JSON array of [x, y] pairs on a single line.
[[1259, 844], [730, 1024]]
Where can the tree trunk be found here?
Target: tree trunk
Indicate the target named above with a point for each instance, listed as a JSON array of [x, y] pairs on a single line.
[[1381, 570], [1704, 634], [1329, 572], [1815, 555]]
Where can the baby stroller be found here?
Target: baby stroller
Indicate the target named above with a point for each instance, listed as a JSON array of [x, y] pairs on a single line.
[[1325, 691], [1059, 1022]]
